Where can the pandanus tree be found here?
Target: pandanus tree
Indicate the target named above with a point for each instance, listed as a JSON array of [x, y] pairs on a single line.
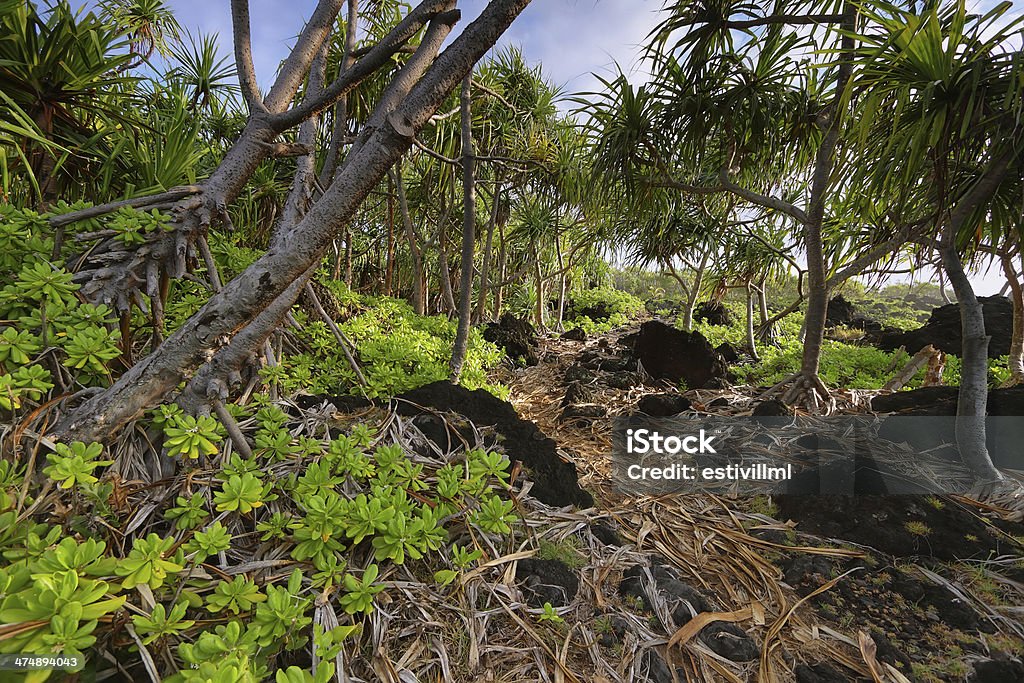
[[945, 90], [747, 101], [149, 24], [751, 260], [60, 69], [518, 118], [207, 348], [665, 230]]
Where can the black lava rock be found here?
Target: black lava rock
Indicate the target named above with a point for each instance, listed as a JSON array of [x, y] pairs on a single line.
[[998, 671], [772, 408], [575, 334], [728, 352], [578, 373], [663, 405], [588, 411], [943, 329], [577, 392], [622, 380], [840, 311], [555, 480], [547, 581], [712, 313], [730, 641], [516, 336], [672, 354]]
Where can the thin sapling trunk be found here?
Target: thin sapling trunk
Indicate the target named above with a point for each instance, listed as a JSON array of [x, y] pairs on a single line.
[[468, 231]]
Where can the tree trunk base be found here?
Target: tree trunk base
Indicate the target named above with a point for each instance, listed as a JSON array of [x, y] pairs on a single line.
[[1014, 381], [1005, 495], [804, 391]]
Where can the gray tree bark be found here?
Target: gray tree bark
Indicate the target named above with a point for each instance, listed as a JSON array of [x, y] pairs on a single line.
[[751, 337], [499, 292], [448, 306], [246, 297], [110, 273], [339, 128], [468, 231], [562, 280], [485, 267], [698, 282], [808, 383], [419, 303], [972, 403], [1015, 362]]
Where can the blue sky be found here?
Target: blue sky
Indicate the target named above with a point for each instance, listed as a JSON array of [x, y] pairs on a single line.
[[571, 38]]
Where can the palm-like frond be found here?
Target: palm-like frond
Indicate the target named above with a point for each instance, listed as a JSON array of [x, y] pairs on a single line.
[[942, 94], [202, 70]]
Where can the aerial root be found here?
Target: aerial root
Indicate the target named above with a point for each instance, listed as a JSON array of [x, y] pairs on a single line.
[[806, 391], [1013, 381], [1006, 495]]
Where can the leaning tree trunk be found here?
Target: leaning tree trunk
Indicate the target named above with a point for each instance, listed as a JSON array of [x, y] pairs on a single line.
[[539, 287], [415, 94], [942, 288], [1015, 362], [112, 274], [468, 232], [562, 280], [499, 292], [973, 398], [813, 330], [348, 256], [339, 128], [808, 384], [389, 269], [766, 330]]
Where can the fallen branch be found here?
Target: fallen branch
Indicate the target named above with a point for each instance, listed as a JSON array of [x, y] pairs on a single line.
[[172, 195], [923, 357], [339, 336]]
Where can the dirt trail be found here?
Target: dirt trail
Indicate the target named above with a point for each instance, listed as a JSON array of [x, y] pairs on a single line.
[[821, 606]]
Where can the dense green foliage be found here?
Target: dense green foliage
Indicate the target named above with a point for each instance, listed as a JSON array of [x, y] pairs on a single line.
[[611, 307], [331, 502], [849, 365], [400, 349], [222, 534]]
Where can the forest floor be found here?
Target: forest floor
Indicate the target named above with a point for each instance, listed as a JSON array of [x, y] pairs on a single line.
[[805, 588]]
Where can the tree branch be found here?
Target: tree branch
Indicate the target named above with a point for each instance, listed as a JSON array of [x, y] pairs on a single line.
[[727, 185], [377, 57], [483, 88], [869, 257], [243, 55], [294, 69], [171, 195], [247, 296], [213, 380], [339, 127], [791, 210]]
